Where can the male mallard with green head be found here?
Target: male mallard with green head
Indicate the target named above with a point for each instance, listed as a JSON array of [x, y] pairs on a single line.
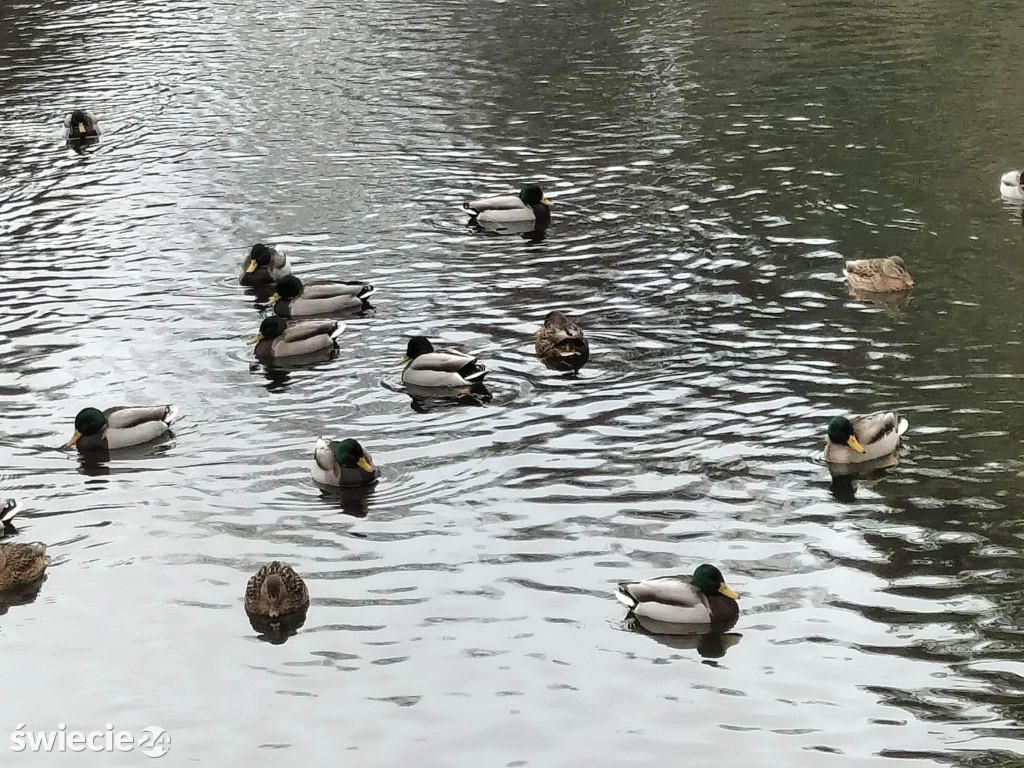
[[120, 427], [278, 339], [529, 205], [293, 299], [343, 463], [427, 368], [264, 265], [80, 124], [21, 564], [560, 343], [704, 598], [858, 439], [276, 590]]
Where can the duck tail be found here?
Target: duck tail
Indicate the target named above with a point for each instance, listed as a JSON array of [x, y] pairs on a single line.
[[902, 425], [173, 414], [8, 511], [367, 291], [338, 330], [473, 371], [624, 596]]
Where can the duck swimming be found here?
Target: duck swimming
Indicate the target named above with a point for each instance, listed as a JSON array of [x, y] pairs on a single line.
[[858, 439], [1011, 186], [120, 427], [879, 275], [343, 463], [80, 124], [278, 339], [560, 343], [21, 564], [427, 368], [276, 590], [264, 265], [703, 598], [8, 511], [529, 205], [293, 299]]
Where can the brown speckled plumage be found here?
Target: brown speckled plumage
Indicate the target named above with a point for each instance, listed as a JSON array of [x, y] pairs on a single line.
[[276, 590], [21, 564], [879, 275], [560, 343]]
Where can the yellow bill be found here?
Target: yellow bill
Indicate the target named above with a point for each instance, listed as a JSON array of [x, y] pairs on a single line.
[[256, 339], [274, 299], [723, 589], [854, 443], [364, 464], [253, 266], [81, 127], [73, 440], [546, 202], [405, 359]]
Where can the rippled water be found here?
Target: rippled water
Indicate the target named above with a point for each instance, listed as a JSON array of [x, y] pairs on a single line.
[[711, 165]]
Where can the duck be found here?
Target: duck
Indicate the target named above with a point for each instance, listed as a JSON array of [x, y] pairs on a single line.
[[856, 439], [560, 343], [529, 205], [276, 590], [293, 299], [21, 564], [263, 265], [427, 368], [343, 463], [1011, 185], [278, 339], [120, 427], [887, 275], [703, 598], [80, 124], [8, 511]]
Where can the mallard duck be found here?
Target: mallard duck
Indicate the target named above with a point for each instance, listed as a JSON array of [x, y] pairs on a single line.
[[704, 598], [427, 368], [342, 463], [278, 339], [879, 275], [276, 590], [863, 438], [529, 205], [1011, 185], [293, 299], [560, 343], [120, 427], [264, 264], [80, 124], [21, 564]]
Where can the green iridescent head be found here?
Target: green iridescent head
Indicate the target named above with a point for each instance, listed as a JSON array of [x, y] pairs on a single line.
[[708, 579], [349, 453]]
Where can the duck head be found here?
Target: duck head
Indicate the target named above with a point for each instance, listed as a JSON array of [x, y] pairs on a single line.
[[89, 421], [260, 255], [270, 328], [418, 345], [840, 432], [349, 453], [287, 288], [708, 579], [532, 195]]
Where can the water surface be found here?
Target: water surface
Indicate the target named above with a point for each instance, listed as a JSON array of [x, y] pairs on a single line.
[[712, 165]]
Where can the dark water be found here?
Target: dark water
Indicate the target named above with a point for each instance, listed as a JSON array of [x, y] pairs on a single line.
[[712, 165]]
